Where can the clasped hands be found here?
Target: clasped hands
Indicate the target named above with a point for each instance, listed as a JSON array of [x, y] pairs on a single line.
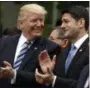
[[6, 71], [47, 66]]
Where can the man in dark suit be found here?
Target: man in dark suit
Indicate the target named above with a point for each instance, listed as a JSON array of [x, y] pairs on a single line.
[[75, 21], [14, 69]]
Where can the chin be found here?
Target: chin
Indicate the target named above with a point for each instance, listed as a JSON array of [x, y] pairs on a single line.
[[37, 34]]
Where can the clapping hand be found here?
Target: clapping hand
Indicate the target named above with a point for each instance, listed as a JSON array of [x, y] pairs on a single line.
[[44, 78], [46, 62], [47, 66], [6, 71]]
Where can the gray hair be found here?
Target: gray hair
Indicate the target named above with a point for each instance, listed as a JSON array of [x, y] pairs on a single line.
[[31, 8]]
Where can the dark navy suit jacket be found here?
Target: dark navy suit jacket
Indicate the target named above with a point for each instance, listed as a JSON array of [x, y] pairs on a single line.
[[25, 75], [80, 60]]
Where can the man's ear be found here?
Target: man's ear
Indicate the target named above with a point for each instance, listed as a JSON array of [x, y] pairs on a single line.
[[81, 22], [65, 43], [19, 24]]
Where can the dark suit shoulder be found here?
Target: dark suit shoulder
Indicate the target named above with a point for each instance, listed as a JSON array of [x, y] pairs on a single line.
[[48, 43], [8, 40], [50, 46]]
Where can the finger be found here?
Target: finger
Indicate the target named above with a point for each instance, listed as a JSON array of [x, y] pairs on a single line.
[[49, 71], [54, 60], [1, 69], [39, 74], [36, 71], [47, 55], [6, 63], [44, 54], [44, 50], [38, 79]]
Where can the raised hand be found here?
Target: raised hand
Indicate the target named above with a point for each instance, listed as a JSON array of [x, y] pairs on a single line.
[[46, 62]]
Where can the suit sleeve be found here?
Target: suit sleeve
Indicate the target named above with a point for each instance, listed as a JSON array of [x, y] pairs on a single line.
[[66, 83], [23, 78], [53, 48]]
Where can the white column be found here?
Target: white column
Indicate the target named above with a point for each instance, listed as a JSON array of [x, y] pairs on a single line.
[[54, 13]]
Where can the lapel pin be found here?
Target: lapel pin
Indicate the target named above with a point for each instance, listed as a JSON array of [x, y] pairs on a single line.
[[80, 50], [35, 48]]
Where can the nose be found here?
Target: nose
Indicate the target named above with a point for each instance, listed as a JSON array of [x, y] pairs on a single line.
[[39, 23], [62, 25]]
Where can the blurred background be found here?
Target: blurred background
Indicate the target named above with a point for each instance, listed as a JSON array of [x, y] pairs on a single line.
[[9, 12]]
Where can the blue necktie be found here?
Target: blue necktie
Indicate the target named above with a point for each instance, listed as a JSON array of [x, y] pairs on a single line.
[[70, 57], [21, 55]]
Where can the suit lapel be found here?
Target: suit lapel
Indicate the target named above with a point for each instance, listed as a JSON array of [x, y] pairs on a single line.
[[78, 54], [13, 48], [31, 53], [9, 48]]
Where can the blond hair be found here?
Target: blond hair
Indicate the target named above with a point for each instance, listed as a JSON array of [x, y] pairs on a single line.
[[31, 8]]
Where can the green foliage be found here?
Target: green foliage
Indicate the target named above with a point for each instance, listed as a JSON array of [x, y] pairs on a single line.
[[65, 4], [47, 30]]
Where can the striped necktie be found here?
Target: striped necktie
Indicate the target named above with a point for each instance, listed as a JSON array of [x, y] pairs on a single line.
[[21, 55], [71, 54]]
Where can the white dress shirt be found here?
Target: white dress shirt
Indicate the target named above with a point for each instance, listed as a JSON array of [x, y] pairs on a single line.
[[20, 44]]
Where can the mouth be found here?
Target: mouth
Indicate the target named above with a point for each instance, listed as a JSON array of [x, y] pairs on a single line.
[[38, 30]]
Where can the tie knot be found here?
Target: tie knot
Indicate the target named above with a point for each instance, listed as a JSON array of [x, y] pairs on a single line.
[[28, 42], [73, 47]]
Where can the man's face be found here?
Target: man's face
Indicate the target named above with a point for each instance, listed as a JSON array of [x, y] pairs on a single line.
[[33, 25], [69, 26], [54, 37]]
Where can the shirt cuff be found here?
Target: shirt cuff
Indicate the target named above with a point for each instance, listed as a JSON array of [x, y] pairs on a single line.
[[53, 83], [13, 80]]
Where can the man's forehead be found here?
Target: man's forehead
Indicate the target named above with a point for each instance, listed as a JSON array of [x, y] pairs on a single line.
[[66, 15], [35, 14]]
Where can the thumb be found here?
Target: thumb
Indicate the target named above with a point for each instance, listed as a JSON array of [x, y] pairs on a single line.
[[49, 71], [7, 63], [2, 68], [36, 71], [54, 60]]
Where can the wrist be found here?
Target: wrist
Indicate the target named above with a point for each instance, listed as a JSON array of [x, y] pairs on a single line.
[[53, 83], [12, 73], [52, 79]]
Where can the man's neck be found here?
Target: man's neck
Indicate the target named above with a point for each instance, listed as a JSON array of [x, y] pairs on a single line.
[[28, 37], [79, 36]]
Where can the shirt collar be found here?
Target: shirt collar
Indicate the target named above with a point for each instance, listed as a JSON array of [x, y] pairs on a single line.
[[22, 40], [80, 41]]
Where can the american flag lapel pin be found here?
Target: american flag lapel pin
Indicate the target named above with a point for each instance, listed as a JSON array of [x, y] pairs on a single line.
[[35, 48], [80, 50]]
